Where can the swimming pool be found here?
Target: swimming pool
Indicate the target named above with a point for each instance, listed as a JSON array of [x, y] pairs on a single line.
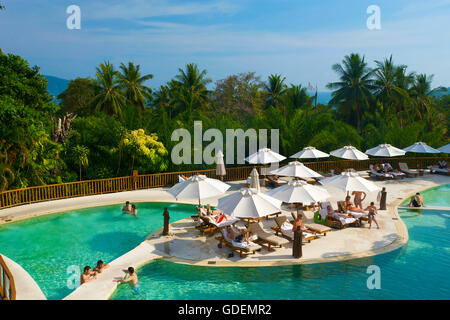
[[416, 271], [46, 246]]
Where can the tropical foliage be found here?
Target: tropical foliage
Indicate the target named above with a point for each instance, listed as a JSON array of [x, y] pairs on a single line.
[[114, 123]]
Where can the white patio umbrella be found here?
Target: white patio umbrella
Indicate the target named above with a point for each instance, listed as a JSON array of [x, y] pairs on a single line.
[[299, 191], [445, 149], [265, 156], [310, 153], [385, 150], [350, 153], [220, 165], [421, 147], [296, 169], [198, 187], [254, 179], [249, 203], [349, 181]]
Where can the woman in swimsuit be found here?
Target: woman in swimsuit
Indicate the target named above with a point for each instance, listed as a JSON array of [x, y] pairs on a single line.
[[350, 207]]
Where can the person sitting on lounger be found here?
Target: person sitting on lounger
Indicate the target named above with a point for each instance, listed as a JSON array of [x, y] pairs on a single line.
[[372, 212], [87, 275], [221, 217], [377, 168], [236, 236], [350, 207], [358, 199], [100, 266], [416, 201], [334, 214], [126, 208]]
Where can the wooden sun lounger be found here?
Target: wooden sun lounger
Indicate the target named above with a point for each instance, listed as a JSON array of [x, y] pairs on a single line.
[[381, 176], [278, 230], [444, 171], [266, 237], [269, 180], [317, 228], [223, 240], [404, 168]]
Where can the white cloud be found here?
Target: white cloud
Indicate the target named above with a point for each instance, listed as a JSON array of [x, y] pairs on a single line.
[[136, 9]]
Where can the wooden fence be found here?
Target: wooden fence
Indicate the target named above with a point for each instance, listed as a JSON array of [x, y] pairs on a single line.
[[7, 286], [17, 197]]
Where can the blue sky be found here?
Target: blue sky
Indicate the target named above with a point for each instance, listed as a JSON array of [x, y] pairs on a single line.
[[300, 39]]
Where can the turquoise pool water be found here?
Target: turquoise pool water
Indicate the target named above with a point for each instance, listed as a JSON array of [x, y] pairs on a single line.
[[416, 271], [46, 246]]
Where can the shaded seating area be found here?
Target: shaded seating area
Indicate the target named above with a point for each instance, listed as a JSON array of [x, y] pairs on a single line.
[[274, 181], [379, 175], [311, 225], [265, 237], [241, 247], [404, 168], [284, 227], [338, 222]]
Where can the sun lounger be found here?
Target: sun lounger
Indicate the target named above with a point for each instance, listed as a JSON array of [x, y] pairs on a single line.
[[285, 228], [266, 237], [317, 228], [276, 183], [209, 225], [358, 215], [445, 171], [240, 247], [379, 175], [404, 168]]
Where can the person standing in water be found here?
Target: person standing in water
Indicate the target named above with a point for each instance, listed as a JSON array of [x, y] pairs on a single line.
[[133, 210], [132, 279], [87, 275], [126, 208]]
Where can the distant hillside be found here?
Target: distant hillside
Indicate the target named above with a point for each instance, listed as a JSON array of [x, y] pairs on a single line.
[[56, 85], [440, 94]]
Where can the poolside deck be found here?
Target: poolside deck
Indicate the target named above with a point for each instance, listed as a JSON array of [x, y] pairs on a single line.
[[186, 245]]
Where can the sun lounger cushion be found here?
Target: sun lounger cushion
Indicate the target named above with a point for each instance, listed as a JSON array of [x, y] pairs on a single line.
[[357, 215], [223, 223], [343, 220], [256, 229], [317, 227]]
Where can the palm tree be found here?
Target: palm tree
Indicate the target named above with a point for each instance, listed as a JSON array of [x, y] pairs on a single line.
[[80, 156], [275, 88], [353, 92], [132, 82], [385, 88], [111, 98], [162, 100], [189, 88]]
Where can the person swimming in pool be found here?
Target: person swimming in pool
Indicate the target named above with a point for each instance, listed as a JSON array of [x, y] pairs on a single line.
[[132, 278], [133, 210], [87, 275], [100, 266], [127, 208]]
